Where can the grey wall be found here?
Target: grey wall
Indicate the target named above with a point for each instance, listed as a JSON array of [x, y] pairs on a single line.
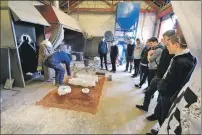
[[7, 39], [91, 47]]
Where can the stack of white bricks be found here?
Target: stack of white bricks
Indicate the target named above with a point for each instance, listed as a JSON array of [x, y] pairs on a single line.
[[84, 80]]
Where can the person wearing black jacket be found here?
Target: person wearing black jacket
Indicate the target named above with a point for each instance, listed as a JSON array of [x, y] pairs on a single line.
[[130, 55], [113, 55], [162, 67], [143, 65], [176, 76]]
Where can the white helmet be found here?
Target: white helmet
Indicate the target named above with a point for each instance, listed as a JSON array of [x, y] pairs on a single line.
[[46, 43]]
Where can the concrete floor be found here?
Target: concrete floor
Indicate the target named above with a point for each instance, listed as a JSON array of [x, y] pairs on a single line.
[[117, 112]]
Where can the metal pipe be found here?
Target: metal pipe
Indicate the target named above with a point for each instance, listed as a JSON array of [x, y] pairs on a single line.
[[78, 11], [9, 69], [106, 10], [159, 28], [56, 4], [68, 6]]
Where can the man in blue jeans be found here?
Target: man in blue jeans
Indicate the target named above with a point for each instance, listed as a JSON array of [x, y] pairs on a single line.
[[54, 61]]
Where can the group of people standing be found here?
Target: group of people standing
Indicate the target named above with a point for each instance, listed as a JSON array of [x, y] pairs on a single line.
[[133, 53], [166, 65], [170, 65]]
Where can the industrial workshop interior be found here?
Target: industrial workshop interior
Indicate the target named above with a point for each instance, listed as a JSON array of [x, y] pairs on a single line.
[[100, 67]]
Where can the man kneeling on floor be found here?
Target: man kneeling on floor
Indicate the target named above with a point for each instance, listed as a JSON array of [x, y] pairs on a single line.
[[54, 61]]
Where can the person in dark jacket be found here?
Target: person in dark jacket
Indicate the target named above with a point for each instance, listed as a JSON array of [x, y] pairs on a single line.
[[162, 67], [177, 75], [113, 55], [143, 65], [102, 51], [153, 57], [54, 61], [130, 55]]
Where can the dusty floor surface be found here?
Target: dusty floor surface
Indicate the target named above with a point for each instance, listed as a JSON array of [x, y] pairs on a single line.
[[116, 114]]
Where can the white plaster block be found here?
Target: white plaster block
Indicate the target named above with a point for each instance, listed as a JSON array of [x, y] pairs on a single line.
[[87, 77], [82, 82], [63, 90]]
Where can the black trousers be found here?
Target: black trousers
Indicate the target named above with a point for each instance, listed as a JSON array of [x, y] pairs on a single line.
[[151, 74], [103, 56], [162, 109], [143, 74], [129, 59], [150, 91], [113, 61], [137, 66]]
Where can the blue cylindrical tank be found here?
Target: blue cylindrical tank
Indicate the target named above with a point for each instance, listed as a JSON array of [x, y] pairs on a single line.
[[127, 14]]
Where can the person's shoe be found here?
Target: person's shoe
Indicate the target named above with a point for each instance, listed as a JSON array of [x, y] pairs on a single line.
[[138, 86], [114, 71], [133, 76], [141, 107], [111, 70], [154, 132], [130, 71], [125, 70], [152, 117]]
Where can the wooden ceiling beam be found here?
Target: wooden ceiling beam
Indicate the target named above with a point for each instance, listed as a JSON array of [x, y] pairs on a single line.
[[152, 5], [107, 10], [107, 2]]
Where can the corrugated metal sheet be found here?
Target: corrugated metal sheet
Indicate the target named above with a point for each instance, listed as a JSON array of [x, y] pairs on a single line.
[[7, 38], [66, 20], [25, 11]]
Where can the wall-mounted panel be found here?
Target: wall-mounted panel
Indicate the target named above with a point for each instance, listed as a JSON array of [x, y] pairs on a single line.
[[7, 39]]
